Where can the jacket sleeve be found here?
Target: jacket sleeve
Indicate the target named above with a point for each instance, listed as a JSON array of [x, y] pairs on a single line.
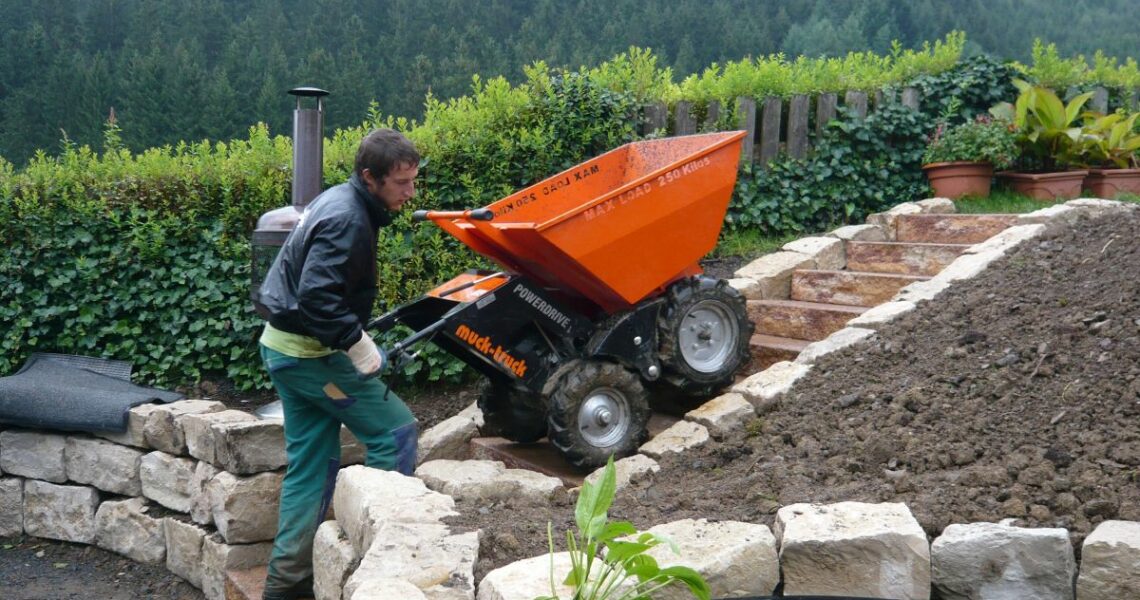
[[322, 290]]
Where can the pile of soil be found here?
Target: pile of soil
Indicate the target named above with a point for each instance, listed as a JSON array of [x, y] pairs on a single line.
[[1013, 395]]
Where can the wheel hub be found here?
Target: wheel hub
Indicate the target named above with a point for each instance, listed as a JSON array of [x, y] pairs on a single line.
[[708, 336], [603, 417]]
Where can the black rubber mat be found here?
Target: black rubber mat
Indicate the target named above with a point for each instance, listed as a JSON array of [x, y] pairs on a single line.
[[73, 393]]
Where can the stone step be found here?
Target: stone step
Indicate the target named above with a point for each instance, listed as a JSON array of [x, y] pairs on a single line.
[[543, 457], [794, 319], [950, 228], [245, 584], [768, 350], [852, 288], [906, 258]]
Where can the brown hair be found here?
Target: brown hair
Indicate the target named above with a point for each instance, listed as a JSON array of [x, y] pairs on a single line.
[[383, 149]]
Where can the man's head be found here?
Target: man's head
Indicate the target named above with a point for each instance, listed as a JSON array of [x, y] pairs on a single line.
[[388, 163]]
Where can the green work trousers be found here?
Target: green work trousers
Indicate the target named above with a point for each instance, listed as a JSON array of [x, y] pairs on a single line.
[[318, 395]]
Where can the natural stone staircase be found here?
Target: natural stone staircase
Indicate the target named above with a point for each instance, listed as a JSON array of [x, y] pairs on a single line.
[[878, 260]]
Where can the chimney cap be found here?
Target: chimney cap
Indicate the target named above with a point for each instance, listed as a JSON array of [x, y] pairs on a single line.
[[308, 91]]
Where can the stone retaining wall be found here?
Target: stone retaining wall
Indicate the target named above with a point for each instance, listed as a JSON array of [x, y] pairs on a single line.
[[195, 487]]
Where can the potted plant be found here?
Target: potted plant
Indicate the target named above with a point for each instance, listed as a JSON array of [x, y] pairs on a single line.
[[1111, 146], [960, 160], [1050, 139]]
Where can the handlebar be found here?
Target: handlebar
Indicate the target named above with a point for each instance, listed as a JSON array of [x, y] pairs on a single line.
[[476, 214]]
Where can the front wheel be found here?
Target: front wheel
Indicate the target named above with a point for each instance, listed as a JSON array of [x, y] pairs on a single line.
[[704, 335], [597, 410]]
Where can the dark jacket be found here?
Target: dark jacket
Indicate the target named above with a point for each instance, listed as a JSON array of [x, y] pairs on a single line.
[[323, 282]]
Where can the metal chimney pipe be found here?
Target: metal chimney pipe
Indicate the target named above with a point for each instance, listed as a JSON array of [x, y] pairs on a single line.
[[308, 146]]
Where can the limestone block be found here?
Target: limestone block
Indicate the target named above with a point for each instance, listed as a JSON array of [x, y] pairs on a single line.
[[366, 498], [123, 526], [922, 290], [247, 447], [103, 464], [882, 314], [736, 559], [828, 252], [852, 548], [848, 336], [773, 274], [1055, 218], [219, 557], [749, 288], [487, 481], [184, 549], [166, 479], [860, 233], [200, 439], [764, 389], [244, 509], [33, 454], [937, 205], [1110, 562], [1097, 207], [386, 588], [162, 429], [60, 512], [991, 560], [135, 434], [528, 579], [968, 266], [200, 510], [678, 437], [626, 470], [449, 439], [11, 506], [439, 564], [333, 561], [888, 221], [725, 413], [1007, 239]]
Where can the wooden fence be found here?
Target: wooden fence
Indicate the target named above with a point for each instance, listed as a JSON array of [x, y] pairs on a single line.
[[778, 125]]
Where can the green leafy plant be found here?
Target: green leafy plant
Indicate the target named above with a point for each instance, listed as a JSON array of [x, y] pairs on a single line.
[[609, 559], [1111, 140], [1048, 131], [984, 139]]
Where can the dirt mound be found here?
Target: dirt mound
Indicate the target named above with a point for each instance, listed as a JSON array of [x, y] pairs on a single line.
[[1013, 395]]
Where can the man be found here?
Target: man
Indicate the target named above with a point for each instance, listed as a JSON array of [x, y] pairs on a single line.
[[322, 362]]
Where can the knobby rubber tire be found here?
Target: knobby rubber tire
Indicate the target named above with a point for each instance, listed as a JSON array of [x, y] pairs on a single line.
[[716, 296], [577, 385], [511, 413]]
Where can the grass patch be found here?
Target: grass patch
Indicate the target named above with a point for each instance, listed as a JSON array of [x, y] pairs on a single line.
[[1001, 202], [749, 243]]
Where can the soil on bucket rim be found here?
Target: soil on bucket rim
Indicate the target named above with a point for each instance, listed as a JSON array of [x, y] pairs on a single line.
[[1013, 395]]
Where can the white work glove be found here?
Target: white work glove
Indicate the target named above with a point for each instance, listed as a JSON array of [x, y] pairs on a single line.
[[366, 357]]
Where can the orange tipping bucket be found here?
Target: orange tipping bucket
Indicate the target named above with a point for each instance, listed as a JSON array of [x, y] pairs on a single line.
[[615, 229]]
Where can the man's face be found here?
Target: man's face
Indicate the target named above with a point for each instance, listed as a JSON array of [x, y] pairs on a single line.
[[397, 188]]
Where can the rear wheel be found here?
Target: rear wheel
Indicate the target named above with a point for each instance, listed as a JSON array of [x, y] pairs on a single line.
[[511, 413], [597, 410], [704, 334]]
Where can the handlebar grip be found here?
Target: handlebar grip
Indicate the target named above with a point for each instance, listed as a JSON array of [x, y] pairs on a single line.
[[481, 214], [420, 215]]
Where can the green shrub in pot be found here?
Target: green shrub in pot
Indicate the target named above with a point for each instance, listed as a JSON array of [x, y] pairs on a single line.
[[984, 139]]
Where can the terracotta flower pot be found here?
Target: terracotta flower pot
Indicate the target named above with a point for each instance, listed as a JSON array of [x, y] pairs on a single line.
[[1109, 183], [957, 179], [1062, 185]]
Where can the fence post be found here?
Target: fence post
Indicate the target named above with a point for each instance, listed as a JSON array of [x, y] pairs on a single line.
[[857, 101], [746, 119], [770, 130], [1099, 101], [824, 111], [798, 125], [656, 117], [910, 98], [712, 115], [683, 117]]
